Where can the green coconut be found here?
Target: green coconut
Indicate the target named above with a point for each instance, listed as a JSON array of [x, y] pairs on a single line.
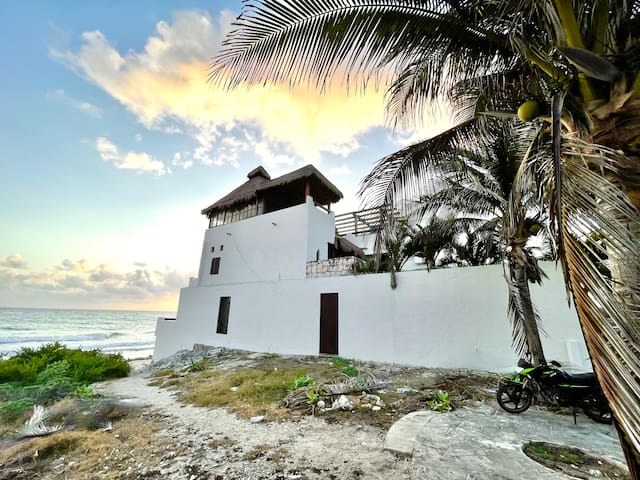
[[529, 110]]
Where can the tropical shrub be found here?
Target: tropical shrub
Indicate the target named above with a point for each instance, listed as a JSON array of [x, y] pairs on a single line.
[[49, 373]]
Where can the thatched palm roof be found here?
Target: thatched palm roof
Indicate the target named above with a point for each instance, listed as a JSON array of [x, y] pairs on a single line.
[[293, 183], [346, 247]]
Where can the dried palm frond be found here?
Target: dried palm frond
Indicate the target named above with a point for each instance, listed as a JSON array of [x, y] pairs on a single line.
[[364, 381], [600, 232], [35, 426]]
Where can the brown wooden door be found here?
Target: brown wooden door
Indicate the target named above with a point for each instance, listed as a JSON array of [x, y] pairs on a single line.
[[329, 323]]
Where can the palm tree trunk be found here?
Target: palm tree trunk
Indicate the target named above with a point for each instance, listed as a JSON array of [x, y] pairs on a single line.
[[519, 277]]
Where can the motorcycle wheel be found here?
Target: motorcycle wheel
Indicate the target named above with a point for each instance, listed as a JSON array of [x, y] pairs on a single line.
[[513, 397], [596, 408]]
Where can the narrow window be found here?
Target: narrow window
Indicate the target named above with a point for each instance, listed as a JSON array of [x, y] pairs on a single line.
[[223, 315], [213, 249], [215, 265], [221, 247]]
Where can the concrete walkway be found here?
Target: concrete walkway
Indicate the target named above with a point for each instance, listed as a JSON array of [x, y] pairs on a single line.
[[486, 442]]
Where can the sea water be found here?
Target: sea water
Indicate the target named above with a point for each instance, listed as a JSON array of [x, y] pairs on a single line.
[[131, 333]]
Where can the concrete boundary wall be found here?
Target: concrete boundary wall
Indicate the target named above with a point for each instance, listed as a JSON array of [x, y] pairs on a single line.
[[449, 318]]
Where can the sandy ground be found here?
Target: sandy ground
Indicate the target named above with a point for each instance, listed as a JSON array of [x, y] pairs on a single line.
[[211, 443]]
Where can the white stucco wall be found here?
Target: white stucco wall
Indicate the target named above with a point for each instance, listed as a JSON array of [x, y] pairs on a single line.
[[445, 318], [272, 246], [321, 232]]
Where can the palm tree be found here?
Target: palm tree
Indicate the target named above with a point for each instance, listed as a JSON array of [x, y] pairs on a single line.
[[474, 188], [579, 61]]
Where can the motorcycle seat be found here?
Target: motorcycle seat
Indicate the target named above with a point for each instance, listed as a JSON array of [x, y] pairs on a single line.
[[582, 378]]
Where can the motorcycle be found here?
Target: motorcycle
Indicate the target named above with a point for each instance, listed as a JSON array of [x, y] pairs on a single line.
[[549, 384]]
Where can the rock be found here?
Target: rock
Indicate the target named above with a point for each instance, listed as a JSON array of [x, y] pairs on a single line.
[[373, 399], [321, 404], [258, 419], [234, 389], [376, 408], [404, 390], [343, 403]]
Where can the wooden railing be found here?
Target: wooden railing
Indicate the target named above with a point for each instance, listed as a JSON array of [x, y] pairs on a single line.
[[363, 221]]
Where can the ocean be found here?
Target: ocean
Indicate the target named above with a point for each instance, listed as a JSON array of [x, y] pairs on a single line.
[[131, 333]]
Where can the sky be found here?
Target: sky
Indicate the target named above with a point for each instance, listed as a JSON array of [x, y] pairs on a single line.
[[112, 142]]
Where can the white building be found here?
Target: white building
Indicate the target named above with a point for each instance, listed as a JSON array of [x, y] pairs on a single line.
[[274, 277]]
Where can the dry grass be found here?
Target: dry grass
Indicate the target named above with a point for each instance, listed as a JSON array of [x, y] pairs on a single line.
[[251, 387], [248, 391], [224, 442], [83, 454]]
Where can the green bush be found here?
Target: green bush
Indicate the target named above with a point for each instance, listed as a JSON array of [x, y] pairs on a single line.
[[50, 373], [13, 409], [350, 371], [341, 362], [83, 366], [440, 402], [302, 381]]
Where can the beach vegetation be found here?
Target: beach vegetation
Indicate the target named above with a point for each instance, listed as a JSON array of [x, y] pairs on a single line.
[[302, 381], [50, 373], [341, 362], [440, 402], [252, 391]]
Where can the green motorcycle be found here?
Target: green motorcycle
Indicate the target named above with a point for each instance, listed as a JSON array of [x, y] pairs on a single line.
[[549, 384]]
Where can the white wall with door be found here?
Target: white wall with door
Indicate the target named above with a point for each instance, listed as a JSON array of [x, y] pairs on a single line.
[[449, 318]]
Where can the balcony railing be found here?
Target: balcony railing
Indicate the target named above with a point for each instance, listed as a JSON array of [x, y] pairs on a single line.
[[363, 221]]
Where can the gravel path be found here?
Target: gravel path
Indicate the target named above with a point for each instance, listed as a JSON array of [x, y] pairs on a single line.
[[213, 444]]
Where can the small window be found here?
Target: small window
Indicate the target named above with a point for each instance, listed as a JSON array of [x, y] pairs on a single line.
[[215, 265], [213, 249], [223, 315], [221, 247]]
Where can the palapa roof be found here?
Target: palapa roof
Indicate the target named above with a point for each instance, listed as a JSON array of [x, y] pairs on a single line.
[[345, 246], [260, 184]]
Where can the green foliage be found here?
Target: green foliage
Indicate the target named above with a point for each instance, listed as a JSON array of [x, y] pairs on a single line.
[[555, 453], [198, 366], [341, 362], [84, 391], [440, 403], [351, 371], [50, 373], [363, 267], [302, 381], [346, 366], [314, 394], [84, 366], [12, 410]]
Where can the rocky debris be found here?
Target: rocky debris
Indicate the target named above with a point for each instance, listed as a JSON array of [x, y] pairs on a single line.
[[185, 358], [344, 403], [257, 419]]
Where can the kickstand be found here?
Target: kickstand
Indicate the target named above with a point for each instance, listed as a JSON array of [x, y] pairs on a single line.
[[575, 419]]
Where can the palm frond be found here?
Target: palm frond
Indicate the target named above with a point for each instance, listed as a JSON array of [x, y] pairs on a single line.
[[601, 231], [313, 40], [407, 175]]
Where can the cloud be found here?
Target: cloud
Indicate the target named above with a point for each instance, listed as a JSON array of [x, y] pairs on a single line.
[[139, 161], [164, 86], [80, 281], [13, 261], [343, 170], [179, 162], [84, 107]]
